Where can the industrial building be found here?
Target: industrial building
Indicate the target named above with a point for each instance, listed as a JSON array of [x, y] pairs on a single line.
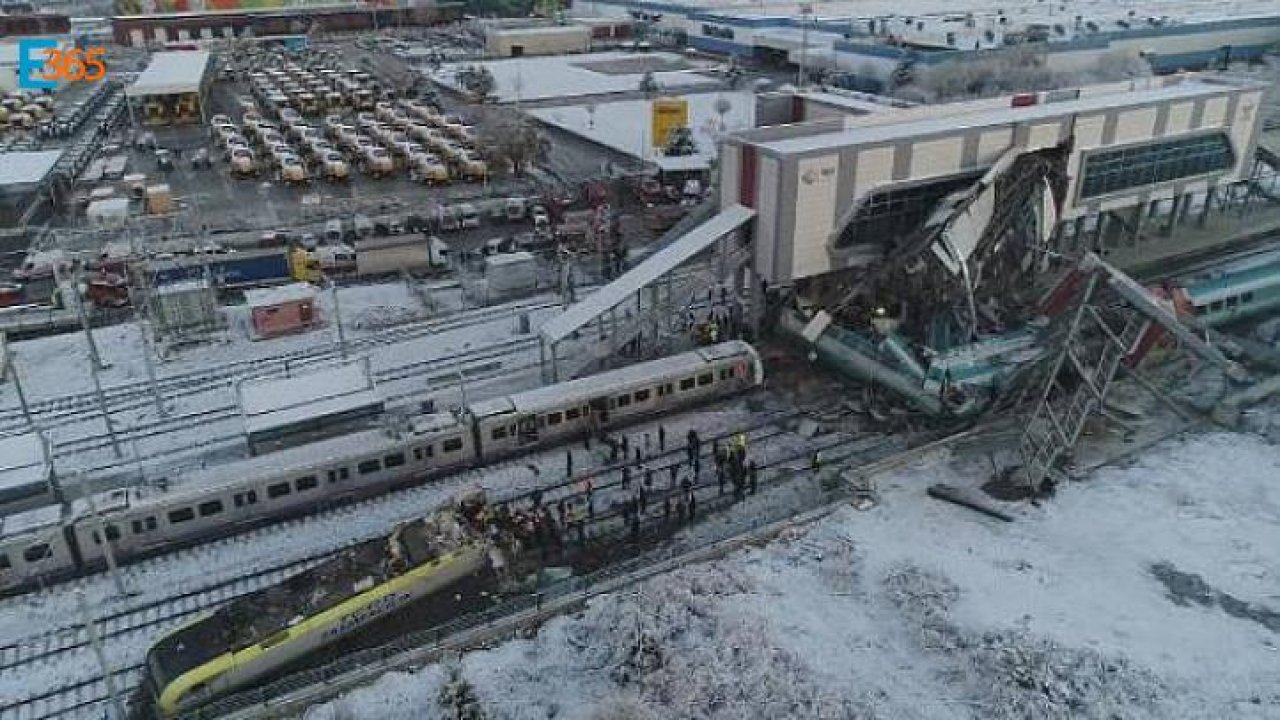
[[544, 40], [871, 42], [23, 175], [172, 90]]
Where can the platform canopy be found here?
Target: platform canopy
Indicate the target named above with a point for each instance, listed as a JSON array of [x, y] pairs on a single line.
[[284, 406], [646, 273], [26, 167], [172, 73], [24, 466]]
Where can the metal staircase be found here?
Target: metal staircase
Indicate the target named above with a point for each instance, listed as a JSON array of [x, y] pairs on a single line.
[[1091, 355]]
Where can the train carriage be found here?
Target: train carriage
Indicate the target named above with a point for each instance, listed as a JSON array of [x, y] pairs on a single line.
[[33, 544], [599, 402], [140, 520]]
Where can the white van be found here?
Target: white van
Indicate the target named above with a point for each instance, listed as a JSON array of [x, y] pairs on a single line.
[[333, 232]]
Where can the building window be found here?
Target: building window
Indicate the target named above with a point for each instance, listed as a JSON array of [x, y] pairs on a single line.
[[1131, 167], [305, 483], [278, 490], [369, 466], [887, 216], [181, 516], [36, 553], [213, 507]]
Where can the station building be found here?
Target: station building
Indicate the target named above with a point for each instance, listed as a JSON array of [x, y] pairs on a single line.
[[846, 191]]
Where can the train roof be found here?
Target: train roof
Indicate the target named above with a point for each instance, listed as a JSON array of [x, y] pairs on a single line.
[[551, 396], [30, 521], [259, 615]]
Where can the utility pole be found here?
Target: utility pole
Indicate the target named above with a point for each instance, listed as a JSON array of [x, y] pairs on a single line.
[[95, 641], [337, 319], [108, 551], [806, 12], [17, 384]]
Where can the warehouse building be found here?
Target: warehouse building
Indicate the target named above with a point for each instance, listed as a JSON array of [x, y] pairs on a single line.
[[872, 43], [1094, 163], [172, 90], [545, 40]]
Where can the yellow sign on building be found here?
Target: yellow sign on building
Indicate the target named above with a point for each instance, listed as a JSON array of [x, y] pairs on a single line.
[[667, 115]]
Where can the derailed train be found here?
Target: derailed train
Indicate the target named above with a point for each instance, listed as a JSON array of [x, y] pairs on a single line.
[[257, 635], [62, 541]]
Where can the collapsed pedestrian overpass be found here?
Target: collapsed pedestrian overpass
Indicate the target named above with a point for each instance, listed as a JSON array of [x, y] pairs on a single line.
[[655, 313]]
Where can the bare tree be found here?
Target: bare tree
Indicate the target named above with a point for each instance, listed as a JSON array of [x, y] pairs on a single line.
[[722, 107], [511, 140]]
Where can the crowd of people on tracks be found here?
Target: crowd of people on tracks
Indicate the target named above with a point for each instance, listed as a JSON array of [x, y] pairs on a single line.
[[641, 497]]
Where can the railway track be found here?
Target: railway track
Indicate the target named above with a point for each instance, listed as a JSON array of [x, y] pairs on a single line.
[[476, 365], [131, 395], [72, 697]]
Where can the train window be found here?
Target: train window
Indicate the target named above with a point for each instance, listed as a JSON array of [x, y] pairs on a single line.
[[624, 400], [369, 466], [425, 451], [451, 445], [395, 460], [572, 414], [4, 562], [305, 483], [1232, 302], [726, 373], [498, 433], [662, 390], [553, 418], [213, 507], [339, 475], [248, 498], [642, 395], [181, 515], [705, 379], [113, 534], [144, 525], [1247, 297], [1215, 306], [278, 490], [686, 384], [36, 553]]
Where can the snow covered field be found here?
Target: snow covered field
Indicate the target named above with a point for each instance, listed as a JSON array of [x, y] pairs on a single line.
[[1149, 591]]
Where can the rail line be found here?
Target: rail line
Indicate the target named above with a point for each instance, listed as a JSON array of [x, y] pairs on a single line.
[[84, 406]]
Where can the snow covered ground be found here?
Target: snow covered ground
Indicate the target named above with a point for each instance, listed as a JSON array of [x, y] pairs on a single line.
[[1150, 590]]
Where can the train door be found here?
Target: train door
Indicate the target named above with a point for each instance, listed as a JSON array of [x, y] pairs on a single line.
[[527, 430], [599, 411]]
